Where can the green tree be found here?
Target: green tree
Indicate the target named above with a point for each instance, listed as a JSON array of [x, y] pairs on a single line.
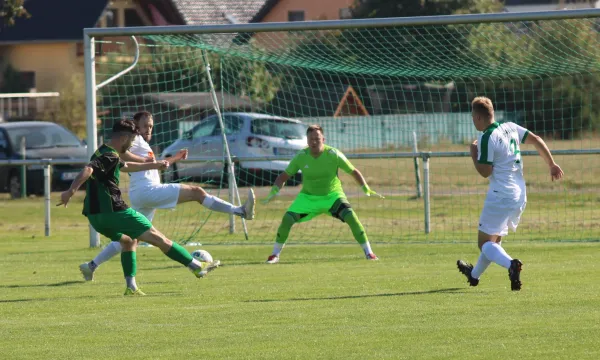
[[69, 109], [11, 10]]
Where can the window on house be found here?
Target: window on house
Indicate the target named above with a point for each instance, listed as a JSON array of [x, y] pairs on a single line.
[[112, 18], [296, 15], [132, 18]]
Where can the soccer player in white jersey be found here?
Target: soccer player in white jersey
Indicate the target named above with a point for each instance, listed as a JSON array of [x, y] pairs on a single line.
[[147, 194], [496, 155]]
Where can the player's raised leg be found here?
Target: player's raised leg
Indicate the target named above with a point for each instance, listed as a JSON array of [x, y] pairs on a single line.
[[196, 193], [177, 253]]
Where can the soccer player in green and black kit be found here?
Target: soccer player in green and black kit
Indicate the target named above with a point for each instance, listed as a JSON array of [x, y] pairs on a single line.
[[321, 191], [110, 216]]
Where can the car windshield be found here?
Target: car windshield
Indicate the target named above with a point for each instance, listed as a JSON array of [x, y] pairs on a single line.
[[278, 128], [42, 136]]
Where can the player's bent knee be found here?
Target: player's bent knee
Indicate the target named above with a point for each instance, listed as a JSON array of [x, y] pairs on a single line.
[[291, 217], [341, 209], [156, 238], [127, 243]]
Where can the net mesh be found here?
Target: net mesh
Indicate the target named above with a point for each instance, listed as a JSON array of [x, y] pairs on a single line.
[[374, 91]]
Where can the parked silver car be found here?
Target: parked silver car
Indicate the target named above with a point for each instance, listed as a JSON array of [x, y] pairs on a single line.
[[248, 135]]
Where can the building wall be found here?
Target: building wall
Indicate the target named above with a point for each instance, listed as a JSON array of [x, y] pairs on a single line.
[[313, 9], [51, 62]]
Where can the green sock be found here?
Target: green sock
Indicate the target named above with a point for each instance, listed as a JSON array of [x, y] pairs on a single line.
[[357, 229], [179, 254], [129, 263], [289, 219]]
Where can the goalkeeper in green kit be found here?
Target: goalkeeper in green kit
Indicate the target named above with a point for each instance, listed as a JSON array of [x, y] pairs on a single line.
[[321, 191]]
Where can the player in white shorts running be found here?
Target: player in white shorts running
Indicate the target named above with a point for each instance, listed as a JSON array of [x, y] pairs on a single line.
[[147, 194], [496, 155]]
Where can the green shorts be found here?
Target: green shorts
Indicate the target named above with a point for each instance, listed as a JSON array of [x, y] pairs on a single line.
[[309, 206], [114, 225]]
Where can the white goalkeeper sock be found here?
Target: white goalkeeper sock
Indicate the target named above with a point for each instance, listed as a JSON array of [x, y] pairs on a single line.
[[277, 248], [216, 204], [496, 253], [482, 263], [108, 252]]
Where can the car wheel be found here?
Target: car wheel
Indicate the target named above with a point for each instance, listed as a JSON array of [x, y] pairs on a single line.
[[14, 186], [171, 175]]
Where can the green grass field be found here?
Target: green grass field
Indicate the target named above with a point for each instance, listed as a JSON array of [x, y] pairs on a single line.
[[323, 301], [320, 302]]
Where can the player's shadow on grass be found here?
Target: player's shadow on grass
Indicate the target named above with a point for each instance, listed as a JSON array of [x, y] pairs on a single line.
[[62, 283], [406, 293]]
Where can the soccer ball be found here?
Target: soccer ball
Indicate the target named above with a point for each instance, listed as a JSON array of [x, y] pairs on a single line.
[[202, 255]]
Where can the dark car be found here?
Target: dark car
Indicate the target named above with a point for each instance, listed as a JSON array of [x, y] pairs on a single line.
[[43, 140]]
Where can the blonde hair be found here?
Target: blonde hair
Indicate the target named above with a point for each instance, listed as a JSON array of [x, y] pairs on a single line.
[[483, 106], [314, 127]]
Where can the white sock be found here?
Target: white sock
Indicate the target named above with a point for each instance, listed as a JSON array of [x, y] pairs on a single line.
[[277, 248], [367, 248], [108, 252], [130, 281], [482, 263], [195, 264], [216, 204], [494, 252]]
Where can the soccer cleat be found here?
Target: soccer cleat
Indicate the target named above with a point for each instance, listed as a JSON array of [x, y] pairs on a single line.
[[88, 274], [514, 274], [206, 268], [466, 268], [372, 256], [248, 206], [131, 292], [273, 259]]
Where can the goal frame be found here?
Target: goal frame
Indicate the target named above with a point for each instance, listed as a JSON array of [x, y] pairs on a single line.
[[89, 35]]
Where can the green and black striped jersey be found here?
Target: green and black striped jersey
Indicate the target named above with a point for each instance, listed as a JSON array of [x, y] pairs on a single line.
[[103, 193]]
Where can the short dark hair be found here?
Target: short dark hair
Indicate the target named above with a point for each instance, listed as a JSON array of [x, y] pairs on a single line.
[[314, 127], [125, 127], [141, 115]]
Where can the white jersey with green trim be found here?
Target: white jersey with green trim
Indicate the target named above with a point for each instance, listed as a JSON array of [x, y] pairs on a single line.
[[499, 146], [140, 180]]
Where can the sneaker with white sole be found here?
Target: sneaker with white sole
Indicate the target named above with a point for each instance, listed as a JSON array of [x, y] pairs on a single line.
[[372, 256], [273, 259], [206, 268], [87, 272], [248, 206], [136, 292]]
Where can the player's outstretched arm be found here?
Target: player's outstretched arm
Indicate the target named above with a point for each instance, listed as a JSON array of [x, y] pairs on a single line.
[[128, 156], [79, 180], [181, 155], [134, 167], [278, 185], [556, 172], [359, 178]]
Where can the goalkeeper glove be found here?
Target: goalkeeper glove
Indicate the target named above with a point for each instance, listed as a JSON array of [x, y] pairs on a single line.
[[272, 193], [367, 190]]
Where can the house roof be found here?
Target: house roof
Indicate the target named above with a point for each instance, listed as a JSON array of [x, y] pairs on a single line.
[[204, 12], [62, 20], [264, 10]]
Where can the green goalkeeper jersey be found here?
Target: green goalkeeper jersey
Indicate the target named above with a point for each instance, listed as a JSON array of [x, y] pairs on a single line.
[[320, 175]]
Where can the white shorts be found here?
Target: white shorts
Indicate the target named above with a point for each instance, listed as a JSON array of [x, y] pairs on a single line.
[[146, 200], [500, 214]]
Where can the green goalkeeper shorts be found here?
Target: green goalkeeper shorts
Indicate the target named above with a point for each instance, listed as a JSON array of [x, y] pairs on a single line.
[[116, 224], [315, 205]]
